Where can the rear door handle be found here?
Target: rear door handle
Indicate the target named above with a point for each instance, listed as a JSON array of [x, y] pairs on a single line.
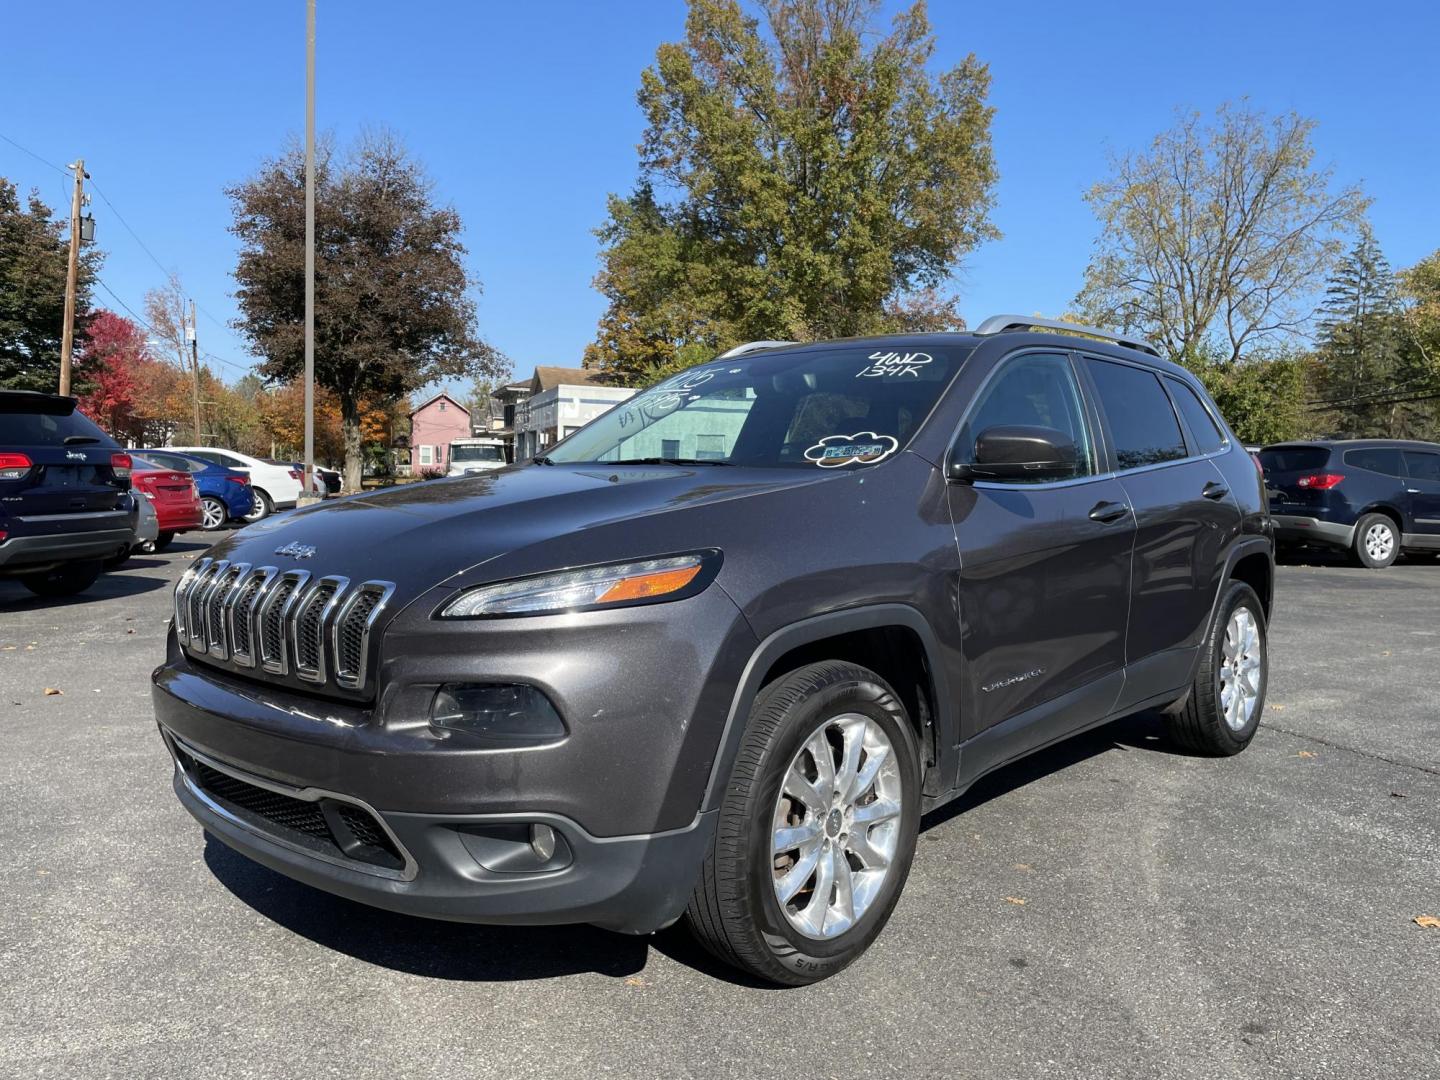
[[1108, 511], [1215, 490]]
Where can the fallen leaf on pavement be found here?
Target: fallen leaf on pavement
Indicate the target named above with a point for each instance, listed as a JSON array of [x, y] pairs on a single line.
[[1023, 866], [1305, 753], [7, 648], [50, 691], [1015, 900], [131, 630], [1398, 795], [635, 980], [1277, 708], [1430, 922]]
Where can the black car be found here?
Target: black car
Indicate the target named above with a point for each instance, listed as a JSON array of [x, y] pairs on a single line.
[[65, 501], [1372, 497], [714, 654]]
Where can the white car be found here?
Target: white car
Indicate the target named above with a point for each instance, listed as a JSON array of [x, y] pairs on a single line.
[[277, 487]]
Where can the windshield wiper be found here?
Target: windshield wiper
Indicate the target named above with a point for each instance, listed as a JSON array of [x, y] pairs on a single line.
[[671, 461], [76, 440], [542, 460]]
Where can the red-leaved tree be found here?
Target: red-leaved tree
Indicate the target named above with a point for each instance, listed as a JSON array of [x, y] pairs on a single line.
[[124, 386]]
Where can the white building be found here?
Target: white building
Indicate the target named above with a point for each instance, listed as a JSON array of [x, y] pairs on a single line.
[[561, 401]]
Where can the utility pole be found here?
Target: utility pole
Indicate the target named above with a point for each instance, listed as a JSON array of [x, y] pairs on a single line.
[[309, 248], [190, 332], [72, 274]]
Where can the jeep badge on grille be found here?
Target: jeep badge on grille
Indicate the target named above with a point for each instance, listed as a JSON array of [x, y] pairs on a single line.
[[296, 550]]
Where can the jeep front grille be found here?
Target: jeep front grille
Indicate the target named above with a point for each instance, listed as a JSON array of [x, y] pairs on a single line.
[[286, 623]]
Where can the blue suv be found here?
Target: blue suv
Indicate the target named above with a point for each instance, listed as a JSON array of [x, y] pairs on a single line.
[[1372, 497]]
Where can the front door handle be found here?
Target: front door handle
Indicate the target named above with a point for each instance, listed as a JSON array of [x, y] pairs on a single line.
[[1108, 511], [1215, 490]]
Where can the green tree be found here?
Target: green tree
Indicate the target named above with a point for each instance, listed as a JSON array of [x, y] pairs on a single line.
[[818, 181], [1263, 398], [34, 255], [1362, 360], [1218, 236], [394, 304]]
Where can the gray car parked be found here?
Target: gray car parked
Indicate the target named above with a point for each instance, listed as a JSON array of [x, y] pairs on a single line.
[[715, 654]]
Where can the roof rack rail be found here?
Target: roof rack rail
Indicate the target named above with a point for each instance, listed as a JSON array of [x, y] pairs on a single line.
[[999, 324], [752, 346]]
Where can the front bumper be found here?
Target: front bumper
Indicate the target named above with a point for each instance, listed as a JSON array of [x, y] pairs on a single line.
[[630, 884], [1295, 528]]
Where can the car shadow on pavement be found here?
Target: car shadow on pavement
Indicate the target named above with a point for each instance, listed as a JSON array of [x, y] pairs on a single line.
[[438, 950], [109, 586]]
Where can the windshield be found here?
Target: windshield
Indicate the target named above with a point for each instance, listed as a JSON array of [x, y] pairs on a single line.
[[813, 408], [459, 452]]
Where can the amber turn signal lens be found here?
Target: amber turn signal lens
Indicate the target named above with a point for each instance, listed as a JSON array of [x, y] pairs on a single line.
[[644, 586]]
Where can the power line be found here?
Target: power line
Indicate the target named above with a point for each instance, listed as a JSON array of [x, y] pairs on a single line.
[[120, 218], [34, 155], [134, 315]]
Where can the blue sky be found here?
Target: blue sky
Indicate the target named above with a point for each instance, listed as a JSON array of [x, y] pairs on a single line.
[[525, 117]]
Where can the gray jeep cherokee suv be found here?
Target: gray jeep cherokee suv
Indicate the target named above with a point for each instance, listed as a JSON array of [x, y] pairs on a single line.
[[715, 654]]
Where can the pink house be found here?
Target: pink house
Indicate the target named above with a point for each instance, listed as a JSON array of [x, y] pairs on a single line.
[[432, 426]]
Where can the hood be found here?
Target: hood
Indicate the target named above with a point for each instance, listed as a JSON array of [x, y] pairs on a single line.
[[418, 535]]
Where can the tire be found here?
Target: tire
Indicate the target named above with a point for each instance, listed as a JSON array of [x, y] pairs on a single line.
[[735, 911], [117, 561], [1377, 541], [162, 541], [264, 507], [213, 513], [1206, 722], [64, 580]]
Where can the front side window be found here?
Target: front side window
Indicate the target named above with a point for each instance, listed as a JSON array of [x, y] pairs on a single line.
[[1142, 421], [1207, 434], [1376, 459], [1032, 390], [826, 407], [1422, 465]]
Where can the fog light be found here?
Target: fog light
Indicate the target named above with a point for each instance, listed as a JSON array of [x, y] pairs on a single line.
[[542, 842], [500, 712]]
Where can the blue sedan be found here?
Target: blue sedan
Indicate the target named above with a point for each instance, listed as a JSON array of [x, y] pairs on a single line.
[[225, 494]]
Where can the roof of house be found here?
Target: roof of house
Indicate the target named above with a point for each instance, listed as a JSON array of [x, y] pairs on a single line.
[[436, 398], [547, 377]]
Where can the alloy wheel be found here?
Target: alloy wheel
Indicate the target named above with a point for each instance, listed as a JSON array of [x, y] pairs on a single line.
[[1242, 659], [212, 513], [1379, 541], [836, 826]]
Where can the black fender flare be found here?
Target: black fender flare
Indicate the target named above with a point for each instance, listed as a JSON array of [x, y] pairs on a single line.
[[813, 629], [1252, 545]]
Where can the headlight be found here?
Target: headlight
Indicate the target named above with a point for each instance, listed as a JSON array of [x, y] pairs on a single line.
[[619, 585]]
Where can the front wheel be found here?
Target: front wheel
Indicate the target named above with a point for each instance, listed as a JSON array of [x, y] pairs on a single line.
[[1221, 713], [1377, 541], [816, 830]]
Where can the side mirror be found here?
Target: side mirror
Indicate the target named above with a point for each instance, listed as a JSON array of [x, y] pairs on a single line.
[[1018, 452]]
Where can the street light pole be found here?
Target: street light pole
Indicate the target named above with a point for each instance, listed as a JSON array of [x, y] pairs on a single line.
[[309, 247]]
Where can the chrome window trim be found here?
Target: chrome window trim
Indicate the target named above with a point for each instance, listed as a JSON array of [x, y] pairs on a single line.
[[307, 794]]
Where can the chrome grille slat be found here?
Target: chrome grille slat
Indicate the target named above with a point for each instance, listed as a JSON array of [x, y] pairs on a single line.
[[291, 623]]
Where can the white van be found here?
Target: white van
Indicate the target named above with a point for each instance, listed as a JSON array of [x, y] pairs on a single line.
[[468, 456]]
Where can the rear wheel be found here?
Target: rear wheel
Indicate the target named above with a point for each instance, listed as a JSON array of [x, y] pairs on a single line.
[[264, 506], [1377, 541], [1221, 713], [162, 541], [817, 828], [66, 580], [213, 513]]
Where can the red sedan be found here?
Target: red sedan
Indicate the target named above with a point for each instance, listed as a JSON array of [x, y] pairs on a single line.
[[173, 495]]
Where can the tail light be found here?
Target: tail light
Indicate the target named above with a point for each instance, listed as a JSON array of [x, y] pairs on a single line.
[[243, 481], [3, 535], [1260, 468], [296, 474], [120, 465], [1322, 481], [14, 466]]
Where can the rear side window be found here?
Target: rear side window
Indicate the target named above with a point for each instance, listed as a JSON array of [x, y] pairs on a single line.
[[1376, 459], [1423, 465], [1207, 434], [1294, 458], [26, 427], [1142, 421], [174, 461]]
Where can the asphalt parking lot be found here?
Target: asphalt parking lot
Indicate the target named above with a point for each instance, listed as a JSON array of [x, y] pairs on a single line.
[[1111, 909]]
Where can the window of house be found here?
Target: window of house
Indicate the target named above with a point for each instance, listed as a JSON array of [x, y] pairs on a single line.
[[709, 447], [670, 448], [1142, 420], [427, 455]]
